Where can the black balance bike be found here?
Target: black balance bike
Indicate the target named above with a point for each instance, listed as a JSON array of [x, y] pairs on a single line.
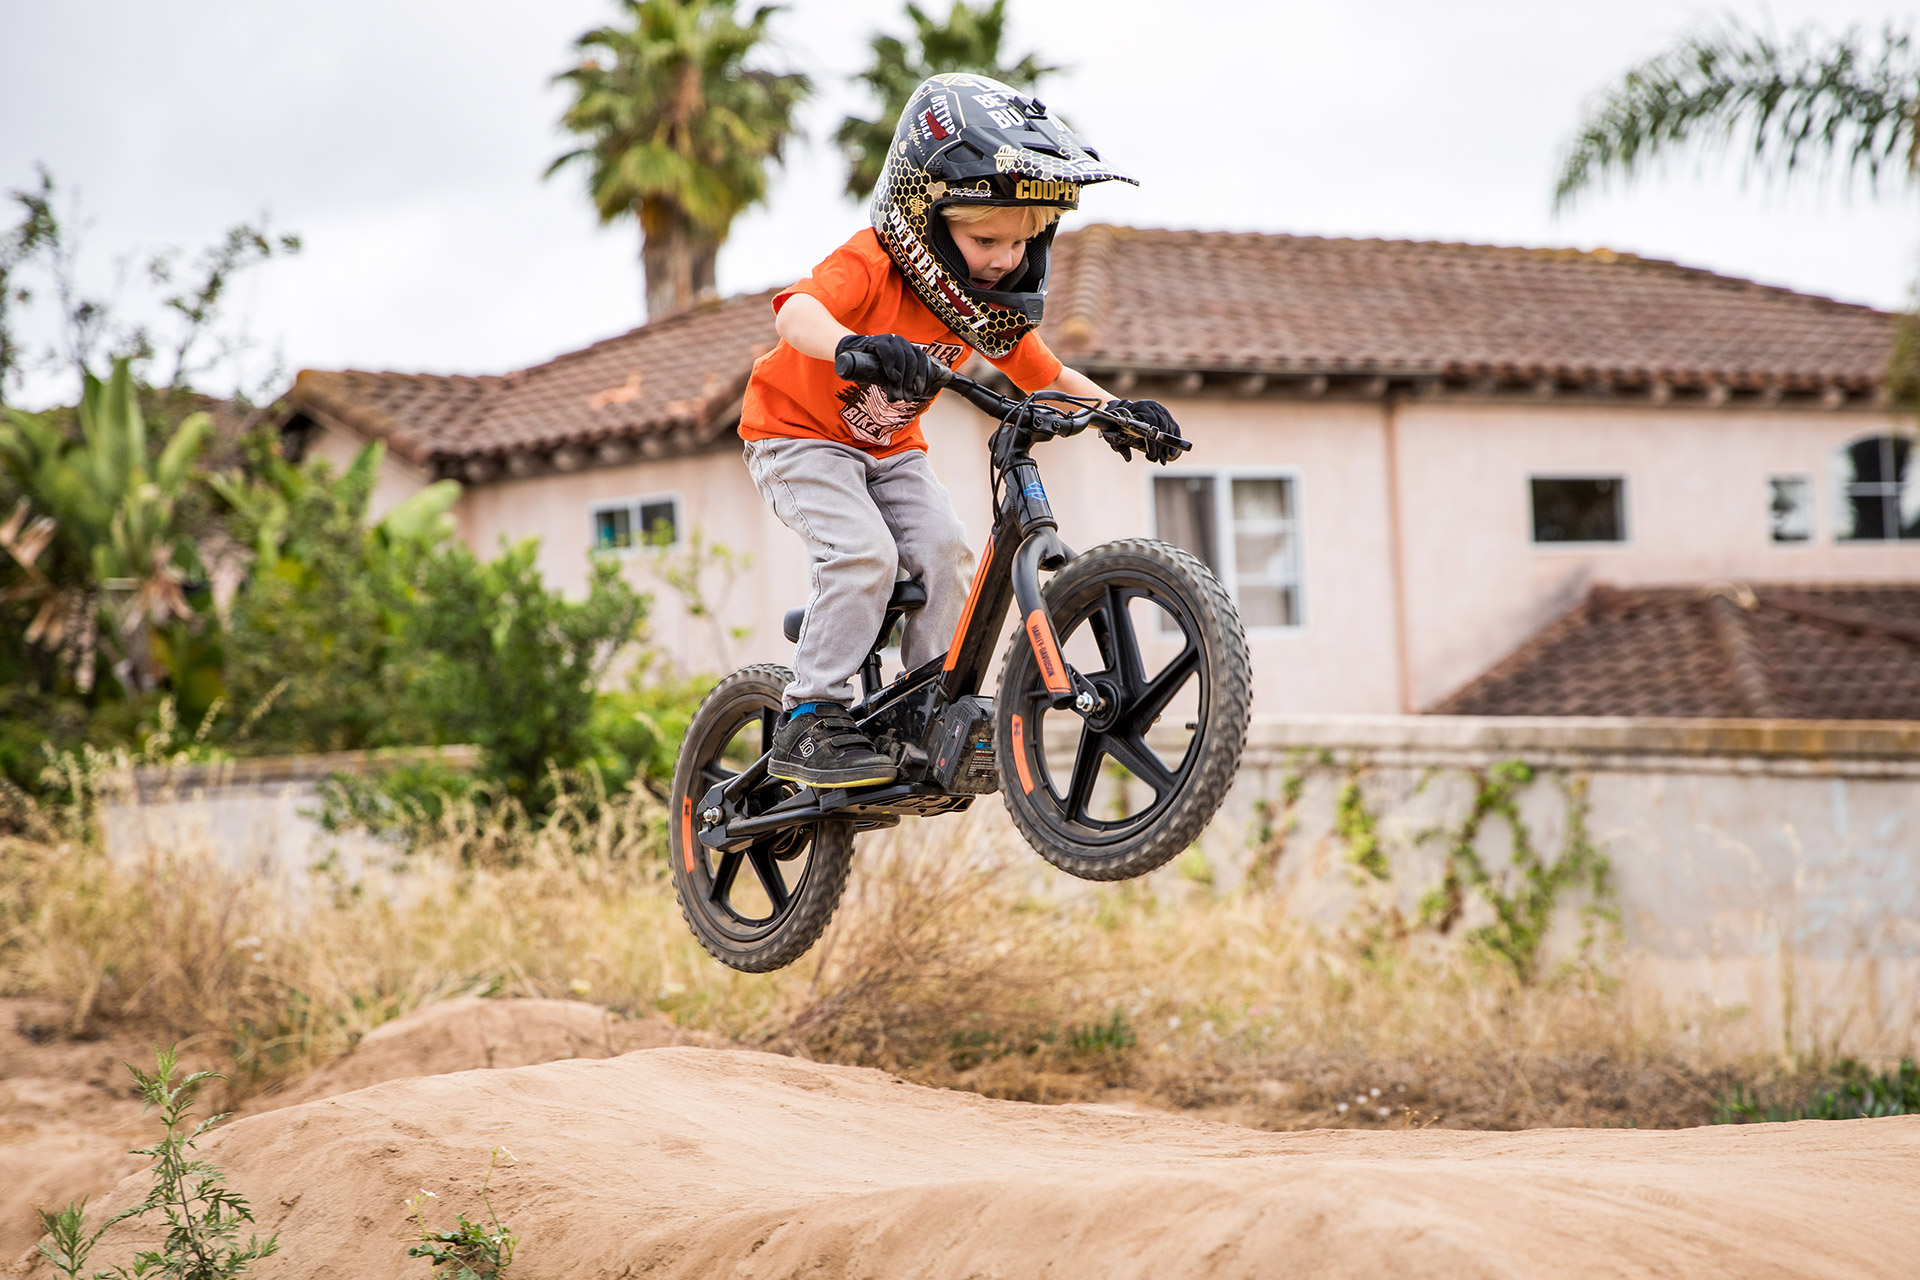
[[1117, 730]]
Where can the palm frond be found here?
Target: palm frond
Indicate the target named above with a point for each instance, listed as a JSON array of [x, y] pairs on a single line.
[[969, 39], [1849, 100]]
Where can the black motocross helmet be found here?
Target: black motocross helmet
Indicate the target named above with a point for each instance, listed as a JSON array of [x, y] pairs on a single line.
[[967, 139]]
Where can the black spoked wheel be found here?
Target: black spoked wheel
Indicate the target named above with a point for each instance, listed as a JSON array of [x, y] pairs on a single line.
[[761, 907], [1119, 792]]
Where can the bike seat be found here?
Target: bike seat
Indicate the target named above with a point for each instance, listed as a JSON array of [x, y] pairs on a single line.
[[908, 594]]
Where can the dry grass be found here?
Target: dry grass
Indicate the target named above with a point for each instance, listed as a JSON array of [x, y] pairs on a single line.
[[950, 963]]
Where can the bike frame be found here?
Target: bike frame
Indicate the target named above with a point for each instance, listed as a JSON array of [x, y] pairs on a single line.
[[1024, 542]]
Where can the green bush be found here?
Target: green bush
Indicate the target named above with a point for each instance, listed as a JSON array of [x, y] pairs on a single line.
[[637, 731], [1855, 1095], [318, 658], [513, 666]]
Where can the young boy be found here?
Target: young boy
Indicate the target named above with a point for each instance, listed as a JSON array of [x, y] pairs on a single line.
[[963, 217]]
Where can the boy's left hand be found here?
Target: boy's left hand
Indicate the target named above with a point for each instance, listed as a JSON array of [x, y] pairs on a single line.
[[1155, 415]]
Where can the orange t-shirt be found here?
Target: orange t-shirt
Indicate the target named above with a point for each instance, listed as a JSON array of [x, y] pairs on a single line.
[[795, 395]]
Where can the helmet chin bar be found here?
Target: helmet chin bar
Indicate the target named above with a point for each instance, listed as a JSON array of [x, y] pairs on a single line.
[[1027, 293]]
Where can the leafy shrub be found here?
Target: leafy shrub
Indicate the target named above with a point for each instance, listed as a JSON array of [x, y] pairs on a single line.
[[513, 665], [1856, 1094], [319, 634], [637, 732]]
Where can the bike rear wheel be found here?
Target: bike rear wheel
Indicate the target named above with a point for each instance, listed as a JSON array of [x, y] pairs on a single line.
[[1118, 793], [761, 907]]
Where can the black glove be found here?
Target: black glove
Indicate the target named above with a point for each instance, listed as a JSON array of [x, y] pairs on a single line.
[[1155, 415], [907, 371]]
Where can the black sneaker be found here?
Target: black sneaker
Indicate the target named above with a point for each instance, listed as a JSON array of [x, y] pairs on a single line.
[[825, 748]]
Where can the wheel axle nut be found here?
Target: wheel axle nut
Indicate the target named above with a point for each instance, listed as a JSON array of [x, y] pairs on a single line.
[[711, 817], [1083, 702]]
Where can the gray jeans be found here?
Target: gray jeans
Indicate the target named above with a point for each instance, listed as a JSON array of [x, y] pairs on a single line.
[[863, 519]]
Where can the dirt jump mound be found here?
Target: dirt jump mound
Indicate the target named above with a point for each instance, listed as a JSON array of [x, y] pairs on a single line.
[[698, 1162]]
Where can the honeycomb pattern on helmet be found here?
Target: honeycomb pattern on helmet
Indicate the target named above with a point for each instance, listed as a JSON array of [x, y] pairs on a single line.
[[908, 196]]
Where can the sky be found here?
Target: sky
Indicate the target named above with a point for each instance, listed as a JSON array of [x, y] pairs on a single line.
[[405, 141]]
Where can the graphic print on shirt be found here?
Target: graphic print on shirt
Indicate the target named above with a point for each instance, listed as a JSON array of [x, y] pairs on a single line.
[[873, 417]]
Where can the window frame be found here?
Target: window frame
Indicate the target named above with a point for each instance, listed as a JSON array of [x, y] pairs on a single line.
[[1223, 478], [1625, 539], [632, 506]]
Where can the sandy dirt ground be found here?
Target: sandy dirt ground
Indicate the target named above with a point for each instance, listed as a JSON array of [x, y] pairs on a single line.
[[68, 1111], [688, 1161]]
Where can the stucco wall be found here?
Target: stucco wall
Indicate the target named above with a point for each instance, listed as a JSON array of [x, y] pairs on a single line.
[[1766, 874]]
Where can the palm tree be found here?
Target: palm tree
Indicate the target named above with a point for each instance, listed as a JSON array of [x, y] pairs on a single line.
[[1807, 99], [679, 132], [1807, 102], [969, 40]]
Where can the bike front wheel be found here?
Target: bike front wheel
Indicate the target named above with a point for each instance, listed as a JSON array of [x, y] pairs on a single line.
[[1118, 792], [761, 907]]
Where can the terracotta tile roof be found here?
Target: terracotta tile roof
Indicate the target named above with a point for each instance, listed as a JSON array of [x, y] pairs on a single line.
[[673, 385], [1771, 652], [1217, 300], [1190, 302]]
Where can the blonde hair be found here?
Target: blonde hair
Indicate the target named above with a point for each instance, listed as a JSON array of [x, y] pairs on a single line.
[[1034, 218]]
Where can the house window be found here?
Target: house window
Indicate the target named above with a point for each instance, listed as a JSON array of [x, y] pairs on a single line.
[[1878, 493], [1245, 529], [1791, 508], [638, 522], [1579, 509]]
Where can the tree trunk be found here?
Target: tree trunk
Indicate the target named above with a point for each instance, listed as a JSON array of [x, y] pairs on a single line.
[[676, 260], [666, 259], [705, 250]]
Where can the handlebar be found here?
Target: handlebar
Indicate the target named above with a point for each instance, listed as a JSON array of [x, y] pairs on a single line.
[[864, 367]]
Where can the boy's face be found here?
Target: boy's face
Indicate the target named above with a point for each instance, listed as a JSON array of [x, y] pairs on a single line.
[[993, 247]]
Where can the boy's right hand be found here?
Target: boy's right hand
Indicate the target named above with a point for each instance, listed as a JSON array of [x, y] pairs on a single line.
[[908, 372]]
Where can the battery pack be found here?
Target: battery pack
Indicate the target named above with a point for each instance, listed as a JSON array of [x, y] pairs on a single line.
[[963, 755]]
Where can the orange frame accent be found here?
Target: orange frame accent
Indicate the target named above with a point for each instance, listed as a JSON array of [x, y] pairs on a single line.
[[973, 598], [1020, 754]]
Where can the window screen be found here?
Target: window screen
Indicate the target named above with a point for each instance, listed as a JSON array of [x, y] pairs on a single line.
[[1265, 560], [1791, 508], [612, 528], [1580, 510], [1878, 492], [1183, 514], [1245, 529], [659, 522]]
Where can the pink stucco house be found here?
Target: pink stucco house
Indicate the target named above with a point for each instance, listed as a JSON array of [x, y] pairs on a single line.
[[1409, 458]]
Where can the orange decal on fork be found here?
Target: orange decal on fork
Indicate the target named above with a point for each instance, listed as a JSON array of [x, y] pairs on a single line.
[[686, 832], [1053, 671], [1020, 754]]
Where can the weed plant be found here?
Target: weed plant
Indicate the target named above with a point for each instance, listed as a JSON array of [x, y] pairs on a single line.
[[469, 1250], [202, 1214]]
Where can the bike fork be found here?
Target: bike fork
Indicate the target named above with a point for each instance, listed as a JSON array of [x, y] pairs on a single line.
[[1066, 687]]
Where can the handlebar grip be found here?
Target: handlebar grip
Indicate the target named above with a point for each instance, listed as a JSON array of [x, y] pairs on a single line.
[[858, 366]]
